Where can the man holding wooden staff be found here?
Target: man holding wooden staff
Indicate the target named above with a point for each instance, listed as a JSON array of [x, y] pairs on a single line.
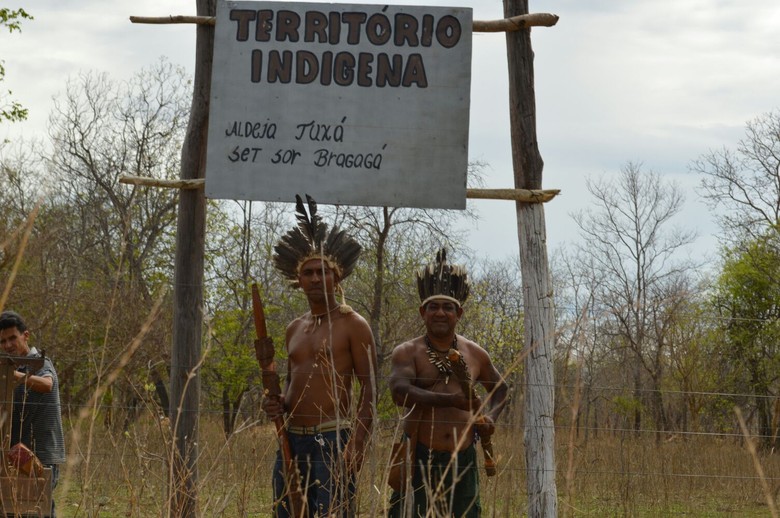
[[432, 378], [327, 348]]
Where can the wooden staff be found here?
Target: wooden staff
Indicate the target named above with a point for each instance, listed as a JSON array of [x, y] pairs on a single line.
[[264, 351], [461, 373]]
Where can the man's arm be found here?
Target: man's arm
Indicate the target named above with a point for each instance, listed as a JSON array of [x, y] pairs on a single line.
[[405, 393], [43, 384], [495, 386]]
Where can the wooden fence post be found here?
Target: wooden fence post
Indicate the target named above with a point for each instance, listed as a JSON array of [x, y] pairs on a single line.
[[188, 284], [537, 286]]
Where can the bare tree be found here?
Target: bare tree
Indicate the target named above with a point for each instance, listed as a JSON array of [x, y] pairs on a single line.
[[122, 236], [102, 129], [582, 353], [21, 182], [743, 185], [626, 238]]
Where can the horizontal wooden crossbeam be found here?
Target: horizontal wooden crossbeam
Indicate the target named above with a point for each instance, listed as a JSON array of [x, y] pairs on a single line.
[[145, 181], [515, 23], [524, 195]]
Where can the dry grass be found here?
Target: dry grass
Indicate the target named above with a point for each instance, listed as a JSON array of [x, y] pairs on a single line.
[[613, 476], [702, 476]]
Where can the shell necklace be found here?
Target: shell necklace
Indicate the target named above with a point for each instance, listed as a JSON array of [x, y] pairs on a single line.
[[442, 364]]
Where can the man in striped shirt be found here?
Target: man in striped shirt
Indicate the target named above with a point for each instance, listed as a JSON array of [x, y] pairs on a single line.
[[37, 420]]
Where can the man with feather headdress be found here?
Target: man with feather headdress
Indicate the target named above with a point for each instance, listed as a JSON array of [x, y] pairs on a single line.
[[328, 347], [432, 377]]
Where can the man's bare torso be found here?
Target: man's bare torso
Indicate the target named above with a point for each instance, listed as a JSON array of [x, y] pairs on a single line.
[[320, 368], [443, 428]]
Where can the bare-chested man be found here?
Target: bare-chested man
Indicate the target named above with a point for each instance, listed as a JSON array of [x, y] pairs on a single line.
[[328, 347], [442, 419]]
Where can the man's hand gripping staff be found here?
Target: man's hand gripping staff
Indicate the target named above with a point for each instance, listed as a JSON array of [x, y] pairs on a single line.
[[264, 351], [461, 374]]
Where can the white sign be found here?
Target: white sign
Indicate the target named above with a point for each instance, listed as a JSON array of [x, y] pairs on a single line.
[[351, 104]]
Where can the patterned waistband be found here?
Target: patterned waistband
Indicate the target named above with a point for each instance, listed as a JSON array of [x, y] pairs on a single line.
[[329, 426]]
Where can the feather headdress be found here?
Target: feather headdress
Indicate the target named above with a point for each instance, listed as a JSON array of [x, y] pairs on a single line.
[[311, 239], [440, 280]]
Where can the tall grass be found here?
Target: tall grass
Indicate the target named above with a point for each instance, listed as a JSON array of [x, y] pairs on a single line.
[[614, 475]]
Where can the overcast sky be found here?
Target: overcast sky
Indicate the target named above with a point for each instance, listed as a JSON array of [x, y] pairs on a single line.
[[659, 82]]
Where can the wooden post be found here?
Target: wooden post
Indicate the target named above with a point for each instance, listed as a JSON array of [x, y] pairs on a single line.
[[537, 287], [188, 284]]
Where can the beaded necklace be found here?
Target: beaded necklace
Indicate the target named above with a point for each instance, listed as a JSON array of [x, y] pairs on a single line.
[[443, 364]]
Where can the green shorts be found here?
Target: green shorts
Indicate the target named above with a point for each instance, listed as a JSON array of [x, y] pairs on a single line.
[[432, 484]]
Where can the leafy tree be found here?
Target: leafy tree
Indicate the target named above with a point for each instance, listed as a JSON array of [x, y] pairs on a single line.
[[748, 299], [742, 186], [11, 110], [494, 315], [241, 237], [694, 361], [493, 318], [103, 129]]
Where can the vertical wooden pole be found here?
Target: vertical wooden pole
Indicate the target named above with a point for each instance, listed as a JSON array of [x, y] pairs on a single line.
[[537, 285], [188, 283]]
